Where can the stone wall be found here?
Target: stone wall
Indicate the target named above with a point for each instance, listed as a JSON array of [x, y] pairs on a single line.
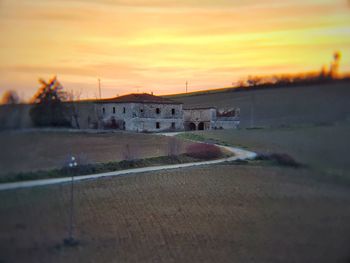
[[154, 125], [210, 118], [204, 114], [84, 115], [199, 119], [226, 123], [143, 117]]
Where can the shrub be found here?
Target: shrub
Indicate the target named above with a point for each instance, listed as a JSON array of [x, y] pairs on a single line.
[[203, 151], [279, 158]]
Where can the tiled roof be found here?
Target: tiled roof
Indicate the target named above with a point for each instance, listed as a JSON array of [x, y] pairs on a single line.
[[139, 98]]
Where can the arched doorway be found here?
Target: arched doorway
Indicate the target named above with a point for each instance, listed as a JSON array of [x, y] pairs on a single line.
[[201, 126], [192, 126]]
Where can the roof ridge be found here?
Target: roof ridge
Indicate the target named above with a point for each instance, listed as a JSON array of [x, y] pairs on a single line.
[[139, 98]]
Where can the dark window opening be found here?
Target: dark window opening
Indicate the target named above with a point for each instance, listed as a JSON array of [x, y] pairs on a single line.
[[157, 125], [173, 111], [141, 110], [124, 110], [103, 110], [192, 126], [173, 125], [201, 126], [157, 110], [113, 109]]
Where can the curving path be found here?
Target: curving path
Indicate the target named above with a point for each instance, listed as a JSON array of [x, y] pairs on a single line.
[[239, 154]]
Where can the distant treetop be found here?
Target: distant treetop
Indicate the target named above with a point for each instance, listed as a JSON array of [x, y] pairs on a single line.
[[49, 91], [10, 97]]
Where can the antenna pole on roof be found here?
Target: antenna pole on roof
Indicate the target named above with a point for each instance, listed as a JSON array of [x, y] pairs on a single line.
[[99, 88], [186, 85]]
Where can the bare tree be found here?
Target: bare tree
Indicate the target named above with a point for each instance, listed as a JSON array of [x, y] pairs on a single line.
[[254, 80], [10, 97]]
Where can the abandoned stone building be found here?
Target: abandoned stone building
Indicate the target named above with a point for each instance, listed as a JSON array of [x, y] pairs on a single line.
[[141, 113], [133, 112]]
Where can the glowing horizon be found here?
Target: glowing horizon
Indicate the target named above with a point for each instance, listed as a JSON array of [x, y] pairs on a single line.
[[158, 45]]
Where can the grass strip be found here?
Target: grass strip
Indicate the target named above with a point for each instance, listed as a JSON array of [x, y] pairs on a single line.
[[101, 168]]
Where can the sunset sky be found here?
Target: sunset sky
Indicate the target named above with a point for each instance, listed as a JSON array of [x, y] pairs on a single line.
[[156, 45]]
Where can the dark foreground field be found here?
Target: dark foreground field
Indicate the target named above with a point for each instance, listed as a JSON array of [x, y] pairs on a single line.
[[223, 213]]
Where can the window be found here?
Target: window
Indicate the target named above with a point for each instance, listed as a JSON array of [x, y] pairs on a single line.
[[173, 125], [103, 110], [173, 111], [157, 125], [141, 110], [124, 110], [113, 109], [157, 110]]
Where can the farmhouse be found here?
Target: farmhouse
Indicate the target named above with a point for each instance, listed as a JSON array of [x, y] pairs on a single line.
[[140, 113], [149, 113], [133, 112]]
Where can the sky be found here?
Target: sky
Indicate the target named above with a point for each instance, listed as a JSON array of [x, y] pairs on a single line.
[[158, 45]]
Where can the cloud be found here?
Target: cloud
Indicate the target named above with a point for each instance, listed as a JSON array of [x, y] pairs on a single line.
[[108, 70], [167, 4], [172, 3]]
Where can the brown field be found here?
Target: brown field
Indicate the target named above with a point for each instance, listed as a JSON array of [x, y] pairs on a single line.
[[31, 151], [326, 103], [255, 212], [222, 213]]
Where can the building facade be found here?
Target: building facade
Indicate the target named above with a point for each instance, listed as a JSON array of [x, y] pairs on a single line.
[[210, 118], [140, 113], [149, 113]]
